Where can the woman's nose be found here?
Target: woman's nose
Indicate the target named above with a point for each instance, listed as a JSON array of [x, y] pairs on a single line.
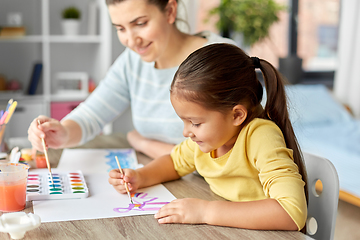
[[132, 40]]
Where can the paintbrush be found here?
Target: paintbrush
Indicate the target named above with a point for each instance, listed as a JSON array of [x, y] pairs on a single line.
[[126, 186], [46, 157]]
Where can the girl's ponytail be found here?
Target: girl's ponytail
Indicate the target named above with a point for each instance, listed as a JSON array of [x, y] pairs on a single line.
[[276, 110]]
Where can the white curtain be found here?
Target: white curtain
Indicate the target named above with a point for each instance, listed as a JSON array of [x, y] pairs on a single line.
[[347, 76]]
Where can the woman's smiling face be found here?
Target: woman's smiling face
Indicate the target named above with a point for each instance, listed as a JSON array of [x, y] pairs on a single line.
[[143, 27]]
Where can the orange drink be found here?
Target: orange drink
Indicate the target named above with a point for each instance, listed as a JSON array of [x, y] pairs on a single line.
[[13, 179]]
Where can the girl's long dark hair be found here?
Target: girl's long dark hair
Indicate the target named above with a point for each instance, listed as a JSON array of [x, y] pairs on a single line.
[[221, 76]]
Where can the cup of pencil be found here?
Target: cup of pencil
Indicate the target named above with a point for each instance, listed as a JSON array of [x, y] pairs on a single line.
[[5, 116], [2, 143]]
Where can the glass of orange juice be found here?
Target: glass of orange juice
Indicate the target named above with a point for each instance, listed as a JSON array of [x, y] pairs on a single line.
[[13, 178]]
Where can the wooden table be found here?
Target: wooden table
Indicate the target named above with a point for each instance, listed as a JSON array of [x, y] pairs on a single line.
[[145, 226]]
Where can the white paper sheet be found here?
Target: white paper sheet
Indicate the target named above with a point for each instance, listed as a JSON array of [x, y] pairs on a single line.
[[103, 200], [96, 160]]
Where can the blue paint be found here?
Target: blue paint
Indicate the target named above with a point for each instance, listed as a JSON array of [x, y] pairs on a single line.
[[125, 157], [55, 181], [55, 177], [55, 185]]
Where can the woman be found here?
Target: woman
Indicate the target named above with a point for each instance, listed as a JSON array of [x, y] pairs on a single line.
[[140, 78]]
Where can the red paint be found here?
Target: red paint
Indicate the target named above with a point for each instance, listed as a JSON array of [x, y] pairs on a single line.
[[41, 161]]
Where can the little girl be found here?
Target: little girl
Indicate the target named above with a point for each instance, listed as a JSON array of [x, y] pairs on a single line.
[[247, 154]]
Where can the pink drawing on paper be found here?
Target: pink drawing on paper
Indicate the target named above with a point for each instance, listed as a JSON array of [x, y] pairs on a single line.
[[142, 203]]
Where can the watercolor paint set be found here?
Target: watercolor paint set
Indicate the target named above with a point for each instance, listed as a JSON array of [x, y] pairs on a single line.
[[67, 185]]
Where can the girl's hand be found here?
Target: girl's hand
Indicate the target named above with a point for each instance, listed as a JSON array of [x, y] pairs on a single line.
[[118, 180], [187, 210]]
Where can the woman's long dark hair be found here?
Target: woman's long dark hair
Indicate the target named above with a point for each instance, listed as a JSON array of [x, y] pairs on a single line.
[[221, 76], [160, 3]]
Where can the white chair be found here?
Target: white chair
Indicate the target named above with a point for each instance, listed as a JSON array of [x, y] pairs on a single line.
[[322, 207]]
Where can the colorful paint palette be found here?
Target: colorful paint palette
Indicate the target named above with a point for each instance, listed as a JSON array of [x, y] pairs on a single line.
[[65, 186]]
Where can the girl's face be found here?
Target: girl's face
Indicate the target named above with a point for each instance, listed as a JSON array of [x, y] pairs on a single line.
[[211, 130], [143, 27]]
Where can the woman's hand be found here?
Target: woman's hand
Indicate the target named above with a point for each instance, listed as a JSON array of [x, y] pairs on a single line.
[[53, 132], [187, 210], [118, 180], [136, 140], [149, 147]]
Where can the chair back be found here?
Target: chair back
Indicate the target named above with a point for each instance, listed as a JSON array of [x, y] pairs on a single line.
[[322, 205]]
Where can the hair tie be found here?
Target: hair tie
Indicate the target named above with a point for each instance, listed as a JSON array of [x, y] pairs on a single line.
[[256, 62]]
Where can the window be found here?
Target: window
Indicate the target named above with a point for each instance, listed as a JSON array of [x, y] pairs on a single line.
[[317, 35]]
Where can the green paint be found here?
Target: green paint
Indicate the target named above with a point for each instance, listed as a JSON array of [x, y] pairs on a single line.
[[79, 192]]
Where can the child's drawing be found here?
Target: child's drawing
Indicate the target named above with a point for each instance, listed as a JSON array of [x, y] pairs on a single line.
[[127, 159], [142, 203]]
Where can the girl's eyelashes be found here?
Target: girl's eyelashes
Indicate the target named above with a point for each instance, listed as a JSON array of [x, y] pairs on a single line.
[[195, 124]]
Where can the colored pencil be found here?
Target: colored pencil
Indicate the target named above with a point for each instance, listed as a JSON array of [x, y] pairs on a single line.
[[10, 111], [9, 104], [2, 120], [46, 157], [126, 186]]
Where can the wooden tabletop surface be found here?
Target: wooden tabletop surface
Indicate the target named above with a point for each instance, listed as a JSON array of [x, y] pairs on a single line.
[[145, 226]]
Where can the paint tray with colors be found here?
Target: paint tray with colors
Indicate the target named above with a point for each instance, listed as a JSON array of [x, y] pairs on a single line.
[[67, 185]]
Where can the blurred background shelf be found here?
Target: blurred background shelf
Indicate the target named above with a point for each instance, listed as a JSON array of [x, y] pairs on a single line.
[[43, 42]]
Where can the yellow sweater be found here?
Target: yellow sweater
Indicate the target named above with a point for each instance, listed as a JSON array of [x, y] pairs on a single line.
[[259, 166]]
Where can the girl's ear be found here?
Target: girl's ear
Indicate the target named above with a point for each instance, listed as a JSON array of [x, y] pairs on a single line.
[[239, 114], [171, 11]]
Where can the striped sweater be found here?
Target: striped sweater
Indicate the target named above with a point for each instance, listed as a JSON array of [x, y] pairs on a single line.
[[131, 82]]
